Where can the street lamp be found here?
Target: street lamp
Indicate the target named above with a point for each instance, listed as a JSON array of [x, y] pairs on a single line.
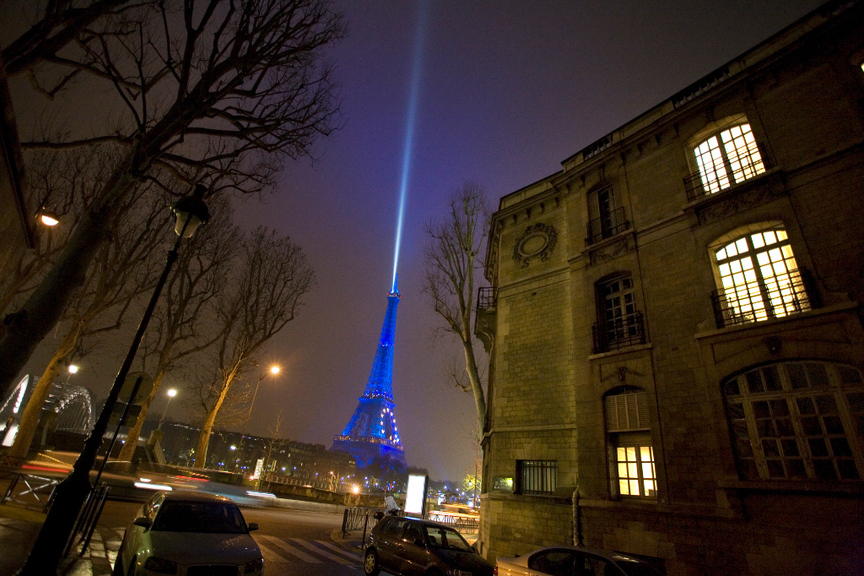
[[274, 370], [171, 393], [189, 213]]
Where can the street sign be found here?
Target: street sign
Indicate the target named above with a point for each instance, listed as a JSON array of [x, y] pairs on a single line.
[[131, 417], [143, 390]]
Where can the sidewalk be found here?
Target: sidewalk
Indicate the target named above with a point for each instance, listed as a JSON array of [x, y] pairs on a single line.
[[19, 528]]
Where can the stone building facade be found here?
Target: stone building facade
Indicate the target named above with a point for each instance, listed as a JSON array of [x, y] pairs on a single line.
[[676, 325]]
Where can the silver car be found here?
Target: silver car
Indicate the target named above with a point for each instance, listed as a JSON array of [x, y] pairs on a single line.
[[574, 561], [189, 534]]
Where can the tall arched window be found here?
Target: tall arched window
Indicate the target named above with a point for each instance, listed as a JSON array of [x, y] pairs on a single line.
[[619, 322], [758, 278], [728, 157], [797, 421], [631, 453]]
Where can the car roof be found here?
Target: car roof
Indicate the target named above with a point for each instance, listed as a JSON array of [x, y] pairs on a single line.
[[424, 521], [598, 551], [194, 496]]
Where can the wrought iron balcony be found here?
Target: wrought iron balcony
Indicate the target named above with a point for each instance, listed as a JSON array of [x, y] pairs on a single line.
[[621, 332], [486, 298], [765, 299], [607, 226], [699, 185]]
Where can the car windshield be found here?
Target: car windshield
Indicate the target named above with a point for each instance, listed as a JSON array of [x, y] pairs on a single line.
[[206, 517], [446, 538]]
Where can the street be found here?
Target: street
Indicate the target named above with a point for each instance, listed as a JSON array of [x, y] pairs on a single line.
[[293, 542]]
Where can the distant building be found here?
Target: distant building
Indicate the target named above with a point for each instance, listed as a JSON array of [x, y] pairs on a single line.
[[677, 325], [286, 461]]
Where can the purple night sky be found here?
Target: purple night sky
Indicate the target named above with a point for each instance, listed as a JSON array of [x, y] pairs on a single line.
[[507, 89]]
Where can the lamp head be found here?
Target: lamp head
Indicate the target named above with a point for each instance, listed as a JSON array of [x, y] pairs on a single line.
[[73, 369], [49, 219], [274, 370], [172, 393], [190, 212]]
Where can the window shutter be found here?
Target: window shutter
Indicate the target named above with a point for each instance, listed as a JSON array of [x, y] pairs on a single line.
[[626, 412]]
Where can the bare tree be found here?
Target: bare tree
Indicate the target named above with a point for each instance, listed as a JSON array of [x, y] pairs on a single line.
[[178, 330], [271, 277], [452, 260], [62, 22], [123, 270], [273, 444], [204, 87]]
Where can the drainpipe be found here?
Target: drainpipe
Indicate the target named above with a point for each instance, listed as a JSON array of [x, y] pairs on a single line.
[[576, 525]]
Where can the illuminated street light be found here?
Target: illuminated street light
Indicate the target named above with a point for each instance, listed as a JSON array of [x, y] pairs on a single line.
[[171, 393], [49, 219], [69, 496]]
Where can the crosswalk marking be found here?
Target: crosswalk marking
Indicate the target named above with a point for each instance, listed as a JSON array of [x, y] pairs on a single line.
[[318, 550], [284, 546], [274, 549], [330, 545]]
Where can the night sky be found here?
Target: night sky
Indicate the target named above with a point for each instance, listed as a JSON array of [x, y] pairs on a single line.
[[507, 90]]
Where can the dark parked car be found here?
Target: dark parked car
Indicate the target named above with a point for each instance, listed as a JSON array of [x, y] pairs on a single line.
[[413, 547], [574, 561]]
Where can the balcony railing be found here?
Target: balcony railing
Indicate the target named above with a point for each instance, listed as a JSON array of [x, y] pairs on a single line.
[[699, 185], [621, 332], [764, 299], [607, 226], [486, 298]]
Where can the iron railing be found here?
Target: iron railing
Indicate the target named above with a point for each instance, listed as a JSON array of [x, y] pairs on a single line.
[[765, 298], [699, 185], [621, 332], [607, 226], [487, 298]]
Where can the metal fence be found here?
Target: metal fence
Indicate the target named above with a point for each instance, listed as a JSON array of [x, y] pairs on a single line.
[[764, 299], [617, 333]]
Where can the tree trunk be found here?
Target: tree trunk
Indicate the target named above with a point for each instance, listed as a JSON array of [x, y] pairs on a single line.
[[128, 450], [33, 410], [207, 428], [476, 387]]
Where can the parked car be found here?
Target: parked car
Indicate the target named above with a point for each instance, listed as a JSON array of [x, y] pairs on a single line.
[[574, 561], [411, 547], [189, 533]]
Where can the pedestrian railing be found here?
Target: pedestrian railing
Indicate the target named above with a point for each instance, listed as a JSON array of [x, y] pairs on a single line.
[[29, 490]]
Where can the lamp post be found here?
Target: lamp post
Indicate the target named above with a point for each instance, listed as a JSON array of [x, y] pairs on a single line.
[[171, 393], [189, 212], [273, 370]]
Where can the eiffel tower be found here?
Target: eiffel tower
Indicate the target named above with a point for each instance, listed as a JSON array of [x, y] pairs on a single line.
[[372, 431]]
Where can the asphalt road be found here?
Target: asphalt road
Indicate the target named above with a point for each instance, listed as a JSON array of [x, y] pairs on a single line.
[[293, 542]]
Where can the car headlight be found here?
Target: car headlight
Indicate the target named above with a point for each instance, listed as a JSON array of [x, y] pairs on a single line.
[[254, 566], [156, 564]]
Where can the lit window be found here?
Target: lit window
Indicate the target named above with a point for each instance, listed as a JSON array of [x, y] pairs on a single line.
[[797, 421], [759, 279], [636, 475], [537, 476], [727, 158], [632, 469]]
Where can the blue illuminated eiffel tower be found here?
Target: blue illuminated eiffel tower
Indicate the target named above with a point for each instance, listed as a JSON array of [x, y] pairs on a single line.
[[372, 431]]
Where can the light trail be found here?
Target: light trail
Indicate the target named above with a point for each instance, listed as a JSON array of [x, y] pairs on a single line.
[[419, 40]]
